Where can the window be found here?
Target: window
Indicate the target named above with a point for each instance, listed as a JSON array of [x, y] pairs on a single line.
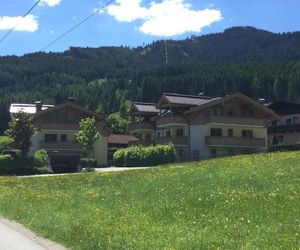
[[217, 111], [230, 132], [158, 135], [50, 138], [168, 133], [148, 137], [213, 153], [288, 121], [63, 137], [230, 152], [215, 132], [247, 133], [179, 132], [230, 112], [280, 138], [274, 123]]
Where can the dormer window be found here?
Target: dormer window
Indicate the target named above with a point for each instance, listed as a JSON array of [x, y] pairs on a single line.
[[288, 121]]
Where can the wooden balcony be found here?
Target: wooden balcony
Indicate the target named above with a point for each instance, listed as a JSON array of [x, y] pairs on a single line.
[[235, 120], [223, 141], [67, 145], [176, 140], [284, 128], [171, 120], [141, 143], [140, 126]]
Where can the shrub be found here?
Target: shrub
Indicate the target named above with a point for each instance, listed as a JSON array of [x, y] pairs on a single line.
[[292, 147], [5, 143], [88, 163], [16, 166], [41, 158], [119, 157], [144, 156], [42, 170]]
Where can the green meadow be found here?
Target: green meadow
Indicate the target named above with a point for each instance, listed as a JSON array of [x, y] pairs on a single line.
[[243, 202]]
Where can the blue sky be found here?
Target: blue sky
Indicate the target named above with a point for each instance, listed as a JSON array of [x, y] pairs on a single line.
[[134, 22]]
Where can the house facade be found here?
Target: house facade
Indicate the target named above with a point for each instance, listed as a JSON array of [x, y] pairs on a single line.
[[56, 127], [203, 127], [286, 129]]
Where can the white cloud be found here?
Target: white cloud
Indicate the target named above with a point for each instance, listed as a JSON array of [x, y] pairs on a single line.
[[127, 10], [29, 23], [50, 3], [167, 18]]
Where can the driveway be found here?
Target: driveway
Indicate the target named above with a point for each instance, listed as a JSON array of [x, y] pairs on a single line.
[[14, 236]]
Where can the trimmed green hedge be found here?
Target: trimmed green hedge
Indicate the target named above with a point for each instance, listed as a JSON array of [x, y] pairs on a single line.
[[139, 156], [41, 158], [10, 165], [16, 166]]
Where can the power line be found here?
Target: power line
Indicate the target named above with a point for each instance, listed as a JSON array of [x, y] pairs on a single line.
[[77, 25], [25, 15]]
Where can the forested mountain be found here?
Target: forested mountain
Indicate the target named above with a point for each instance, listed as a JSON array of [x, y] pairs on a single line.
[[255, 62]]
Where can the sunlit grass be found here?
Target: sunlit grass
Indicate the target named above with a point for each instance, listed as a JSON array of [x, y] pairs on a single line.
[[245, 202]]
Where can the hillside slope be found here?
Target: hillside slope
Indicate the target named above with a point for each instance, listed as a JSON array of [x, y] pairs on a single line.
[[244, 202], [105, 78]]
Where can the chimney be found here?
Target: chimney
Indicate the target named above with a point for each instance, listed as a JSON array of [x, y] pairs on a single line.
[[71, 99], [38, 106]]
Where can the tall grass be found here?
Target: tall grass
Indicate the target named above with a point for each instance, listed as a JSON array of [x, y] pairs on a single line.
[[245, 202]]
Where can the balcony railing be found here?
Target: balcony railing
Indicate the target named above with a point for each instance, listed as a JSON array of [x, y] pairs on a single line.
[[140, 126], [141, 143], [171, 120], [284, 128], [69, 145], [235, 141], [235, 120], [176, 140]]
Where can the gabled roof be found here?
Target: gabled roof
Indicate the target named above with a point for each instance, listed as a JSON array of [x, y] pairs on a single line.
[[68, 104], [121, 139], [144, 108], [220, 100], [285, 107], [27, 108], [182, 100]]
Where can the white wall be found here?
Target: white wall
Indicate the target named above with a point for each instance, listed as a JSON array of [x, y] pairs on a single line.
[[197, 140], [101, 151]]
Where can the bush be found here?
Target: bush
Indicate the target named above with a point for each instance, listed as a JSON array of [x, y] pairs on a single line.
[[292, 147], [144, 156], [41, 158], [88, 163], [5, 143], [42, 170], [119, 157], [16, 166]]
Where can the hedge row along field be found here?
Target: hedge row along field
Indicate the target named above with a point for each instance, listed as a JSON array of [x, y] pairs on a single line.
[[140, 156], [243, 202], [17, 165]]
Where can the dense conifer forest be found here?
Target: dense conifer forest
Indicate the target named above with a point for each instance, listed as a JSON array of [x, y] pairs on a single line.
[[256, 62]]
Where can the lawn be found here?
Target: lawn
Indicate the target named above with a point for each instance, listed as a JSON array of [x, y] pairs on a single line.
[[244, 202]]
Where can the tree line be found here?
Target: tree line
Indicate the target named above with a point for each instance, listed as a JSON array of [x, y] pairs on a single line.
[[257, 63]]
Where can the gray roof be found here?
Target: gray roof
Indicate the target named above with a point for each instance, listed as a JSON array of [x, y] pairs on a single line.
[[188, 100], [145, 107]]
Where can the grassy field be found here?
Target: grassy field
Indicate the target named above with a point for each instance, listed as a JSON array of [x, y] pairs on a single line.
[[245, 202]]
